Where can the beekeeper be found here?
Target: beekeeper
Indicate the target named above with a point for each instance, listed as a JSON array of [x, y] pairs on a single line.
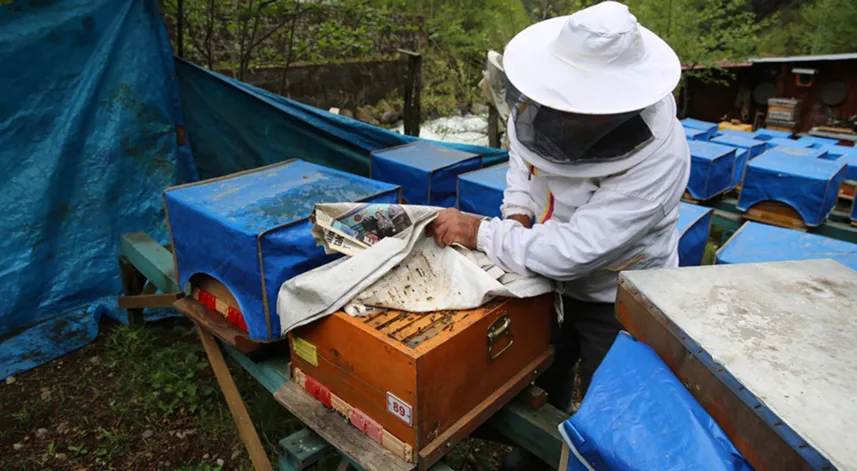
[[597, 165]]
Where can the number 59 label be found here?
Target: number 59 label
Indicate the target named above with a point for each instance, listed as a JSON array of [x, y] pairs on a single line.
[[398, 408]]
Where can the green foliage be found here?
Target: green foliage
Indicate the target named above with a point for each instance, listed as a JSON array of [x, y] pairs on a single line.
[[819, 27]]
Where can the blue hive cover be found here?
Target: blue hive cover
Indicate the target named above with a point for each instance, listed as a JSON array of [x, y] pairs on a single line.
[[427, 173], [765, 134], [695, 134], [779, 141], [736, 133], [752, 147], [755, 243], [810, 186], [637, 416], [818, 141], [251, 232], [846, 155], [709, 128], [481, 192], [711, 169], [694, 223], [802, 152]]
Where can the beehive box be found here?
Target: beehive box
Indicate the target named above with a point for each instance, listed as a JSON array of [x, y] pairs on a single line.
[[775, 176], [766, 348], [694, 224], [755, 243], [814, 141], [752, 149], [481, 191], [709, 128], [765, 134], [802, 151], [785, 142], [250, 232], [711, 169], [695, 134], [427, 173], [419, 383]]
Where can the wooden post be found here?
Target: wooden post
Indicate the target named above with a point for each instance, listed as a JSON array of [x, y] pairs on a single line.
[[132, 284], [180, 29], [493, 127], [246, 430], [413, 87]]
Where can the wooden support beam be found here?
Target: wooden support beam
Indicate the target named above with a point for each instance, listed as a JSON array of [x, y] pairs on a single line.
[[151, 259], [146, 301], [333, 428], [246, 430], [537, 431], [132, 285]]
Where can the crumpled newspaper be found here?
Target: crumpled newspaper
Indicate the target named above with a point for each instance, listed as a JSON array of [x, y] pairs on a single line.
[[392, 264]]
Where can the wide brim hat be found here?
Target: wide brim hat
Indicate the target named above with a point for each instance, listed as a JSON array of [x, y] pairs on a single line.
[[599, 60]]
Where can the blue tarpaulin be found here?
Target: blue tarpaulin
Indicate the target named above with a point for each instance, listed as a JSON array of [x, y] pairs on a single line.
[[427, 173], [481, 192], [711, 169], [752, 149], [802, 152], [234, 126], [776, 175], [781, 141], [818, 141], [637, 416], [695, 134], [765, 134], [846, 155], [88, 140], [694, 224], [251, 231], [757, 243], [710, 129]]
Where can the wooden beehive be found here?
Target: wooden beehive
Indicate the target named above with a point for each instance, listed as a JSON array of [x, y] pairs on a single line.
[[420, 383]]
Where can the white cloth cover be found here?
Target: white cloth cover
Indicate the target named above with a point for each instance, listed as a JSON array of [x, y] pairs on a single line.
[[406, 272]]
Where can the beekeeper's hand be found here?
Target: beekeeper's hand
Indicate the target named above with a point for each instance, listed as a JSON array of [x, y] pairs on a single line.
[[452, 226]]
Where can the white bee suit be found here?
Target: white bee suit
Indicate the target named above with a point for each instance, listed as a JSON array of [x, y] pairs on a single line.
[[593, 220]]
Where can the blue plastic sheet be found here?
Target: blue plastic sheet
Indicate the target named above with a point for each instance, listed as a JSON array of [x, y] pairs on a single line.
[[637, 416], [736, 133], [752, 147], [781, 141], [810, 186], [694, 224], [818, 141], [756, 243], [427, 173], [252, 230], [711, 169], [765, 134], [481, 192], [802, 152], [88, 116], [710, 129], [695, 134], [846, 155], [234, 126]]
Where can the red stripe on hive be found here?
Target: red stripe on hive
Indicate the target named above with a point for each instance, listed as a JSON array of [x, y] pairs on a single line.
[[207, 299], [235, 316], [367, 425], [318, 391]]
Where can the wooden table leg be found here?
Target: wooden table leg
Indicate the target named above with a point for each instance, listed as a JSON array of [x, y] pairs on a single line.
[[132, 284], [233, 399]]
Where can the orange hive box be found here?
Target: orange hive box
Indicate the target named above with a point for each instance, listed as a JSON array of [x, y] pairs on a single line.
[[420, 383]]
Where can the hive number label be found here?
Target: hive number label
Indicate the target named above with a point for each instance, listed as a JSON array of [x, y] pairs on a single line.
[[398, 408]]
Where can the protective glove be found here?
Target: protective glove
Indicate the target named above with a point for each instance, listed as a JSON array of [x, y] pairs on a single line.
[[452, 226]]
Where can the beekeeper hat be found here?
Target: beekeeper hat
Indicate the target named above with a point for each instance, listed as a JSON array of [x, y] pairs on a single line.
[[599, 60]]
